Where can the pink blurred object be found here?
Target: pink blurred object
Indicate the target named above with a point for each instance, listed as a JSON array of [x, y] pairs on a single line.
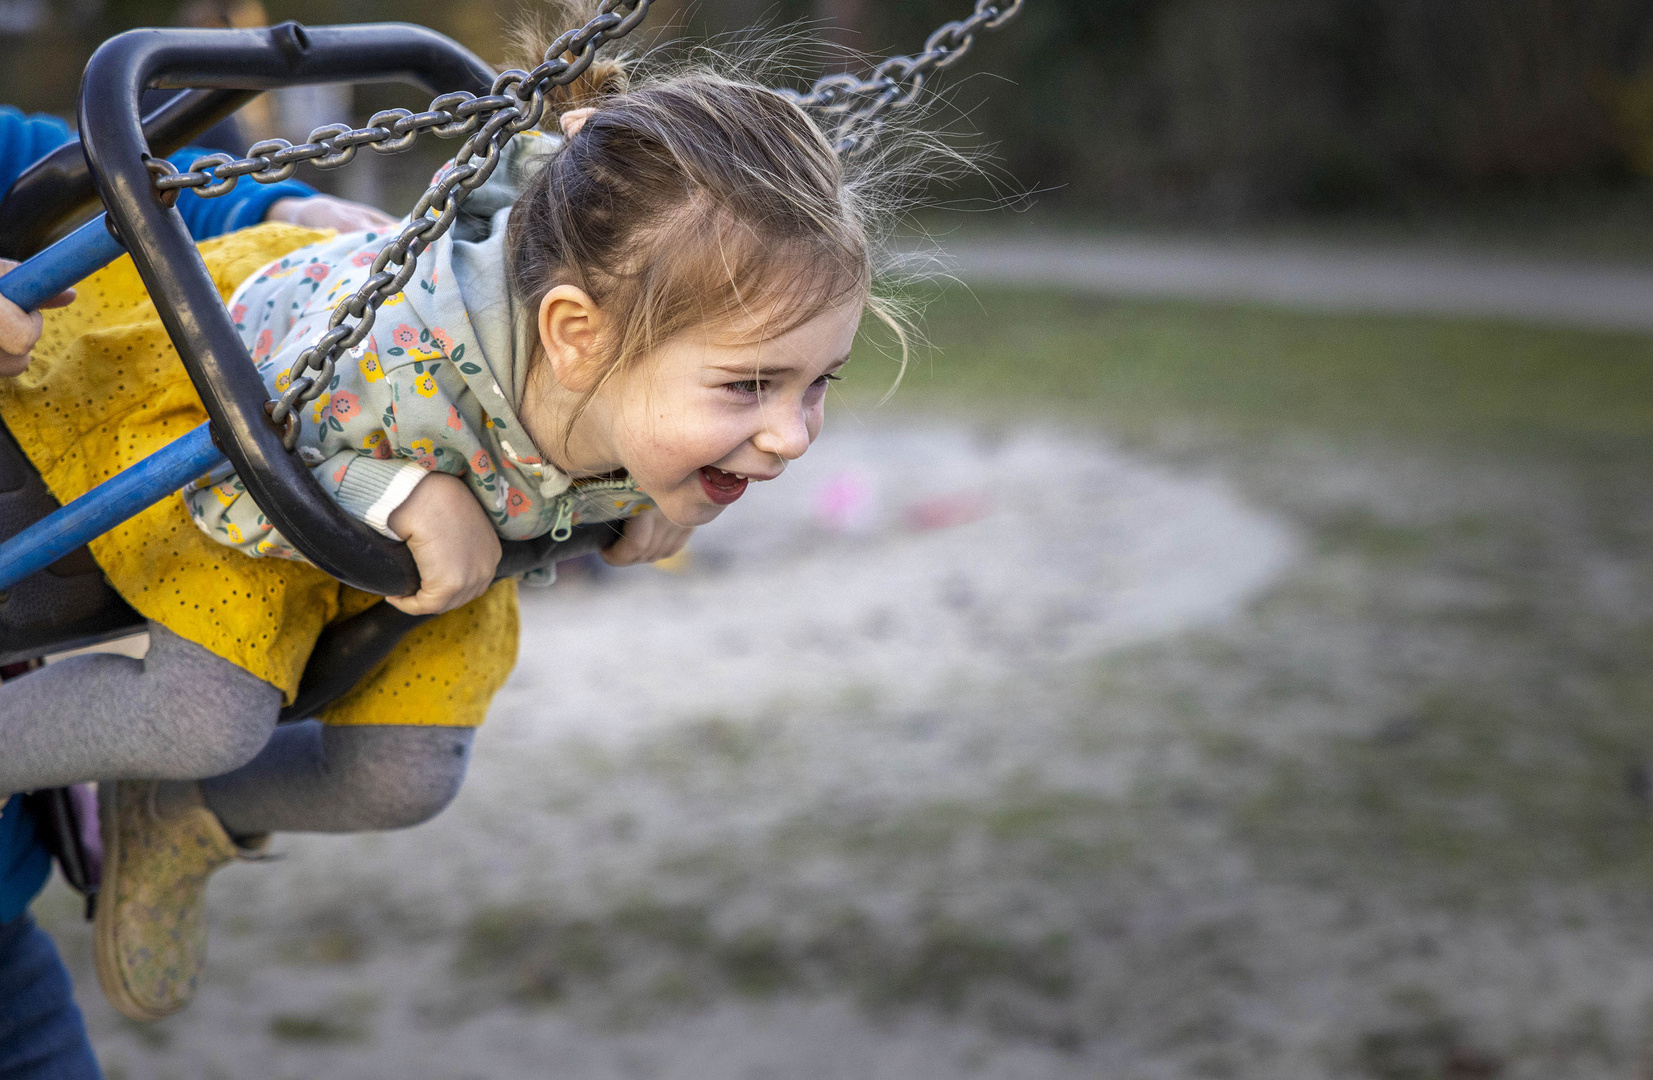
[[946, 511], [846, 503]]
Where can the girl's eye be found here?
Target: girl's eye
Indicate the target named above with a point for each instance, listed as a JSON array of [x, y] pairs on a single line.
[[755, 387], [818, 387]]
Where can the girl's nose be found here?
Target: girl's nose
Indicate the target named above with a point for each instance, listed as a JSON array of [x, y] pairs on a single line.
[[786, 436]]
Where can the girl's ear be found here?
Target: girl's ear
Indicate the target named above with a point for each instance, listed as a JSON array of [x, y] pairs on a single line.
[[569, 325]]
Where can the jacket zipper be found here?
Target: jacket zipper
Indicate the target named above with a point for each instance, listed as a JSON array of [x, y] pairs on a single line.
[[563, 527]]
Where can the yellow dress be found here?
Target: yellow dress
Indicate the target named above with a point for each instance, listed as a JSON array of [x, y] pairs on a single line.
[[106, 389]]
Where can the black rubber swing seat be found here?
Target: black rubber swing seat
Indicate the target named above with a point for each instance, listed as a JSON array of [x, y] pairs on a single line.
[[70, 604]]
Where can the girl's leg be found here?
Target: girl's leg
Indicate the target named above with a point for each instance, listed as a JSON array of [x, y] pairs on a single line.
[[179, 713], [312, 777], [163, 840]]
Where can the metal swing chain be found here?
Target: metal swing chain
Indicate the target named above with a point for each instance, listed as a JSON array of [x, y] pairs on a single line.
[[515, 104], [899, 80]]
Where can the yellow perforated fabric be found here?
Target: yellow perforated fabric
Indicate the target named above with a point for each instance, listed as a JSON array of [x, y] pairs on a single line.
[[105, 390]]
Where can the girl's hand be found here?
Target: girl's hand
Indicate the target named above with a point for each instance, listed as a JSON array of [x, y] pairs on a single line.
[[20, 329], [648, 537], [452, 541], [326, 212]]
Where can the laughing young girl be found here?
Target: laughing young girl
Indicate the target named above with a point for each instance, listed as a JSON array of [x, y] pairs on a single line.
[[637, 317]]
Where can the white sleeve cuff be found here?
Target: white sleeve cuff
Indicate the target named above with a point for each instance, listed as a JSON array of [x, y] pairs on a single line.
[[395, 494]]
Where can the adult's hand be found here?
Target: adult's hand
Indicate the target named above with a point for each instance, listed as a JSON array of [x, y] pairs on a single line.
[[20, 329], [326, 212]]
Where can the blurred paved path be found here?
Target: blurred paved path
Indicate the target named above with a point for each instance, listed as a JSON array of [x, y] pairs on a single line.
[[1316, 278]]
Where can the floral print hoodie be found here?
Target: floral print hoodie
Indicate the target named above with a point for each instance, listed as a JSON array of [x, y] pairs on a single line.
[[434, 387]]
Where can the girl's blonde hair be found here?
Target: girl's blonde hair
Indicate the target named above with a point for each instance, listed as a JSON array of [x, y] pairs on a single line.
[[689, 199]]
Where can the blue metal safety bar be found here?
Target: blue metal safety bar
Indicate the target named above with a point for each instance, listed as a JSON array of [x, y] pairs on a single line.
[[77, 256]]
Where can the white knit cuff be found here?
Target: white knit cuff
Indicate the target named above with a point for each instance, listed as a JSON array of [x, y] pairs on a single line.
[[401, 486], [372, 489]]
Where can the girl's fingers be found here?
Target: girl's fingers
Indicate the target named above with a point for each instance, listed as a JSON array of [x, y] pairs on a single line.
[[624, 551], [666, 540], [406, 604], [435, 598], [648, 537], [674, 544], [423, 603]]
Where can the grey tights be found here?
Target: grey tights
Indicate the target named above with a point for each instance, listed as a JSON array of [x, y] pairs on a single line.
[[184, 713], [315, 778], [180, 713]]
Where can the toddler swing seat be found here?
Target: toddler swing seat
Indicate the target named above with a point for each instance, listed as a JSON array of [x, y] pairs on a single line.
[[54, 595]]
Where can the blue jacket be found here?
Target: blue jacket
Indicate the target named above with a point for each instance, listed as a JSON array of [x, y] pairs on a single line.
[[24, 863]]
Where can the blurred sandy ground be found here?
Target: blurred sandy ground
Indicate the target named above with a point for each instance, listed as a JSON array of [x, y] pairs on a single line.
[[818, 794]]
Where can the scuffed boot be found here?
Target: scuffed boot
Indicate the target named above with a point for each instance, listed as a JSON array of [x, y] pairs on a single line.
[[151, 927]]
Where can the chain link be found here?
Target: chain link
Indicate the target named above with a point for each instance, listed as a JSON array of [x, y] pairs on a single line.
[[516, 103], [857, 102]]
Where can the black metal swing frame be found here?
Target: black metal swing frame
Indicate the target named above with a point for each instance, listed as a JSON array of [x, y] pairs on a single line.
[[69, 604]]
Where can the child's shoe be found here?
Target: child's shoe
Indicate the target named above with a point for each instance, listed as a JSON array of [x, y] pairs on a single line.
[[151, 929]]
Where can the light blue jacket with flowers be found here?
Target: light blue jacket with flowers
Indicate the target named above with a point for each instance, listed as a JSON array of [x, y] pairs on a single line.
[[434, 387]]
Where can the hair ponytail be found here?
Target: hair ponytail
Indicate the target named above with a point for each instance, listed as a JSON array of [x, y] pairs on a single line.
[[696, 196], [534, 33]]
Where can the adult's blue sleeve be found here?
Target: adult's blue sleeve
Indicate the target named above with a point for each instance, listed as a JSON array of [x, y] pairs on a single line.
[[24, 863], [244, 206], [24, 140]]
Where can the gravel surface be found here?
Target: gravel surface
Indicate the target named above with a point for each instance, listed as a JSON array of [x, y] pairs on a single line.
[[654, 869], [978, 752]]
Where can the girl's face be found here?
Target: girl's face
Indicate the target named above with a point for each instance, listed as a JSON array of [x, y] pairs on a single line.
[[705, 415]]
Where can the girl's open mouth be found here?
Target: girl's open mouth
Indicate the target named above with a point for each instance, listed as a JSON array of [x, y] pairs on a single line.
[[721, 487]]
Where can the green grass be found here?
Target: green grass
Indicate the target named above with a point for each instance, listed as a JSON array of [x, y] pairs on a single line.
[[1508, 766], [1135, 364]]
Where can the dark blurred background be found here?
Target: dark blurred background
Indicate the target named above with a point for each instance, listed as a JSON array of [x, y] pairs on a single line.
[[1229, 656], [1197, 111]]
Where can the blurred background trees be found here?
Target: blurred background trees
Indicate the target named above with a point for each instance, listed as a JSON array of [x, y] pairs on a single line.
[[1198, 110]]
